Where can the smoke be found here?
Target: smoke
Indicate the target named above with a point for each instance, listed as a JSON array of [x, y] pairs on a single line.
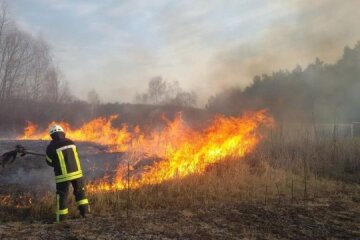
[[320, 92], [303, 31], [205, 45], [31, 173], [31, 179]]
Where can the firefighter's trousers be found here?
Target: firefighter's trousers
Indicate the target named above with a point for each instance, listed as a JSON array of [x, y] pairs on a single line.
[[62, 191]]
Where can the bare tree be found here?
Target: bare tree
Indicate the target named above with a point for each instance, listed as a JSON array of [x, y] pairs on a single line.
[[51, 85], [157, 89], [65, 95], [185, 99], [27, 70], [161, 92], [93, 97]]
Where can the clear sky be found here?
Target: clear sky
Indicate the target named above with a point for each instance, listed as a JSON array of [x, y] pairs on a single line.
[[116, 47]]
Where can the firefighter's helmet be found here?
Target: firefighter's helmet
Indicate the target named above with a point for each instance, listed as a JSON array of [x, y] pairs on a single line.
[[55, 128]]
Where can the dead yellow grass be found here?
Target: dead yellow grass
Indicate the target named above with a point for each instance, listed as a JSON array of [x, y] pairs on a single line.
[[233, 181], [281, 171]]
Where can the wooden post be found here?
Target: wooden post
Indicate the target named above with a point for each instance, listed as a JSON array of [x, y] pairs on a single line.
[[128, 190], [292, 190], [266, 188], [278, 191]]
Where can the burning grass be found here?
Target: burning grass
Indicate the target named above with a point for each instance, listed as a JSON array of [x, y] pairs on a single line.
[[226, 183], [284, 177], [182, 151], [269, 193]]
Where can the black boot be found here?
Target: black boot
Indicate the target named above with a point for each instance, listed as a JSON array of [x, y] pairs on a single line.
[[62, 217], [84, 210]]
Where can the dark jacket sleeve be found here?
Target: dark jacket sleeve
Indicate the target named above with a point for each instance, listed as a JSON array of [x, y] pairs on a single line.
[[49, 156]]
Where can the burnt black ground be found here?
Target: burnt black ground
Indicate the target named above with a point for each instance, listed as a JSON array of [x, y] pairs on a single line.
[[31, 172]]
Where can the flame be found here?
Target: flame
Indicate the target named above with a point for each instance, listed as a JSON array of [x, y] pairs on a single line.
[[180, 149], [99, 130], [23, 200]]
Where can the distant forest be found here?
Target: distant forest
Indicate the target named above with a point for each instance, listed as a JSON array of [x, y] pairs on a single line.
[[319, 93]]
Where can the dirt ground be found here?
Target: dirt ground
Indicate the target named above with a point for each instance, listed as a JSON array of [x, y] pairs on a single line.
[[335, 220]]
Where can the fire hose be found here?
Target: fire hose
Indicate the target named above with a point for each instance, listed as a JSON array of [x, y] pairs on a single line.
[[10, 156]]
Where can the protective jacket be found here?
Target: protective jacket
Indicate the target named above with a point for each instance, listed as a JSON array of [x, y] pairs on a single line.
[[61, 154]]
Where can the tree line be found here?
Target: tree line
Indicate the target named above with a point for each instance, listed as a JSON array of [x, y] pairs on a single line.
[[319, 92]]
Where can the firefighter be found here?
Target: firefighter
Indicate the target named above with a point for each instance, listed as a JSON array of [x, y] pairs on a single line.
[[61, 154]]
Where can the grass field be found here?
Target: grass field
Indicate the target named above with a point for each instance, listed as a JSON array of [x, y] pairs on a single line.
[[289, 187]]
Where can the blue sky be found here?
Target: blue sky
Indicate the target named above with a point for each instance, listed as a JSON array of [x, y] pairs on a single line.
[[115, 47]]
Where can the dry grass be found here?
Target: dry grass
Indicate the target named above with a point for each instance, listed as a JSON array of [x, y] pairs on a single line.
[[233, 181], [283, 171], [291, 187], [230, 182]]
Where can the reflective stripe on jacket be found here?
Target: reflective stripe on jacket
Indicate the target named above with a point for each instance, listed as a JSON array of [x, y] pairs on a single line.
[[63, 156]]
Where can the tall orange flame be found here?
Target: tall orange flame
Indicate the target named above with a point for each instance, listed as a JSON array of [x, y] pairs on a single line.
[[182, 150], [99, 130]]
